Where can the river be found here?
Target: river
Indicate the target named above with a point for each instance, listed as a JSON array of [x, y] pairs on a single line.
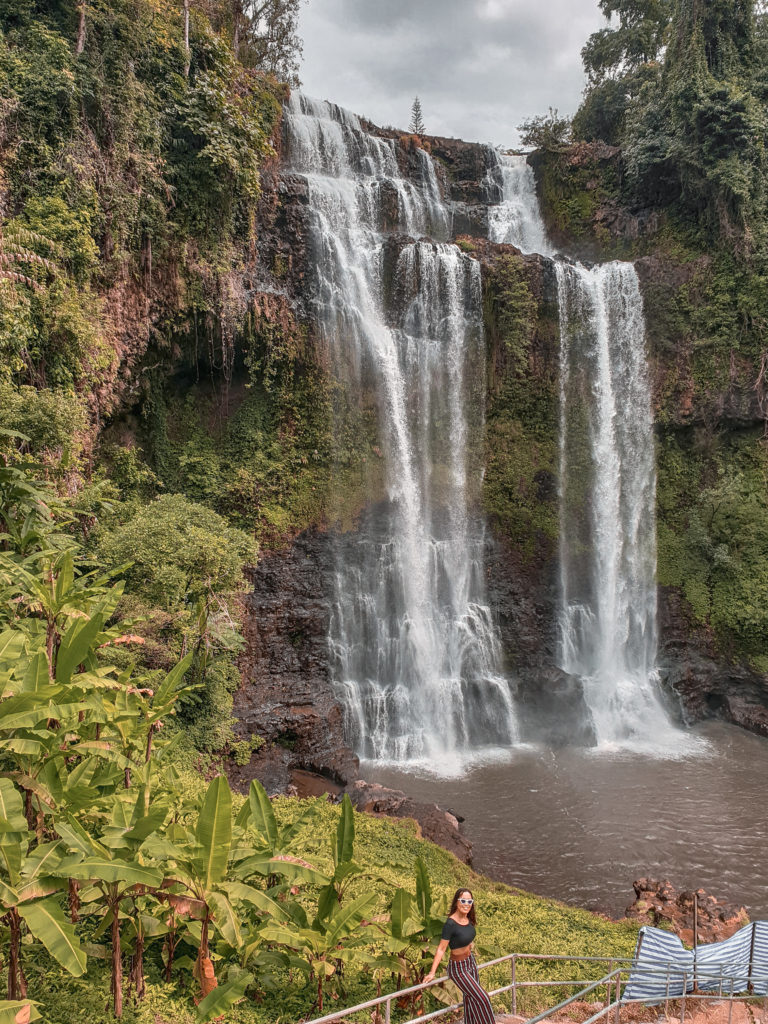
[[581, 826]]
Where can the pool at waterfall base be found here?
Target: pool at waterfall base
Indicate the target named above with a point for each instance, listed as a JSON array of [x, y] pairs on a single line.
[[580, 825]]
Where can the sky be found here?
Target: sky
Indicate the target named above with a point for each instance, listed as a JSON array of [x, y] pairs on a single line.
[[479, 67]]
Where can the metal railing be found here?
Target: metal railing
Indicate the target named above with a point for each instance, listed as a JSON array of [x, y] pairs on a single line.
[[617, 976]]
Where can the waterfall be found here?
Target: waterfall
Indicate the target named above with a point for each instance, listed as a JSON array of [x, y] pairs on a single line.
[[415, 655], [517, 218], [607, 615]]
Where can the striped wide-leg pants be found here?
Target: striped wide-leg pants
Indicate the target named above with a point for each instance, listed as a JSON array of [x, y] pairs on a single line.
[[477, 1005]]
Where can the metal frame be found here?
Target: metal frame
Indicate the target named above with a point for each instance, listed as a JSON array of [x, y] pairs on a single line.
[[617, 966]]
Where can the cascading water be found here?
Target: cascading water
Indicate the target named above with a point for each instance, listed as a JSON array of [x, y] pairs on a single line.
[[607, 614], [517, 219], [415, 654]]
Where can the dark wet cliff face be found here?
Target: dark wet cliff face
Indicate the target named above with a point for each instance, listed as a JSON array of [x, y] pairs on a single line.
[[288, 696]]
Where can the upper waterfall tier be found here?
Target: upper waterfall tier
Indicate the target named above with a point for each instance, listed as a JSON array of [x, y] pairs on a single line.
[[607, 617], [415, 653], [517, 219], [327, 144]]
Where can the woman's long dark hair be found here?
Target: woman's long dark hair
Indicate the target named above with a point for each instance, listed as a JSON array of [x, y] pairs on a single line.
[[455, 904]]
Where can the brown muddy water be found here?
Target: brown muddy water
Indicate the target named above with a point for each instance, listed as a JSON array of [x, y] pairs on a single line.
[[581, 826]]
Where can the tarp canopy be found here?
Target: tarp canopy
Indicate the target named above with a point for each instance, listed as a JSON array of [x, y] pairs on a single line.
[[663, 969]]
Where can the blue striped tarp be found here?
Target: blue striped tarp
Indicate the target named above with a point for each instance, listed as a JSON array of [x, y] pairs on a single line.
[[663, 969]]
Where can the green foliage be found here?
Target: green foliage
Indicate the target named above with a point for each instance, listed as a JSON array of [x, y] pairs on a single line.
[[116, 160], [546, 131], [698, 136], [53, 424], [179, 552], [636, 40], [712, 534], [521, 421], [218, 139], [572, 187], [511, 306]]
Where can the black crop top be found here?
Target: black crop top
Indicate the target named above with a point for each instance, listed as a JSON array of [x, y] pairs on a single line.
[[458, 935]]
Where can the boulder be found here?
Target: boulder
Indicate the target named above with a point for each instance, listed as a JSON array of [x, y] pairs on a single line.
[[435, 824]]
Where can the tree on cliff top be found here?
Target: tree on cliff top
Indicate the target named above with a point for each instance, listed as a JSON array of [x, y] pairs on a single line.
[[619, 59], [264, 36], [417, 124]]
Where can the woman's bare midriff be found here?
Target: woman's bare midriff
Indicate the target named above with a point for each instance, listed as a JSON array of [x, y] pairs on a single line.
[[463, 951]]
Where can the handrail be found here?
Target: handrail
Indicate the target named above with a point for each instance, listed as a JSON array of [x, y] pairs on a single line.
[[661, 969]]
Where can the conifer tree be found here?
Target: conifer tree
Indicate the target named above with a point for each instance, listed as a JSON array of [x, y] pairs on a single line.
[[417, 124]]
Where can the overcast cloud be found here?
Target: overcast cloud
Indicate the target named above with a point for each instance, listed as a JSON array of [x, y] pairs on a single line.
[[480, 67]]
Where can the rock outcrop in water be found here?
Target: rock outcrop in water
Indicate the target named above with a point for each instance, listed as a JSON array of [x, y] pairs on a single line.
[[659, 904]]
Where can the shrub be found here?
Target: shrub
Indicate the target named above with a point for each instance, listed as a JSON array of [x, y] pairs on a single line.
[[179, 552]]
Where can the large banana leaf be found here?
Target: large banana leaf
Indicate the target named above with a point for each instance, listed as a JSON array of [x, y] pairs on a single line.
[[400, 911], [169, 688], [76, 837], [214, 831], [43, 859], [225, 918], [81, 636], [222, 998], [11, 808], [36, 677], [18, 1011], [345, 833], [8, 896], [291, 870], [262, 816], [113, 871], [348, 916], [47, 923], [294, 938], [423, 891], [256, 898], [12, 643]]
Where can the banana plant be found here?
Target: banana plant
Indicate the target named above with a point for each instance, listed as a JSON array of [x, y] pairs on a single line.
[[270, 855], [327, 941], [115, 865], [28, 882], [258, 816], [195, 886], [344, 867], [413, 927]]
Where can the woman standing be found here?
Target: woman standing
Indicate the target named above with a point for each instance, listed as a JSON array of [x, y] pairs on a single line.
[[458, 934]]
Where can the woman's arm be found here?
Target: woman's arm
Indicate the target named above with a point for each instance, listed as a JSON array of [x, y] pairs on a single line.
[[438, 958]]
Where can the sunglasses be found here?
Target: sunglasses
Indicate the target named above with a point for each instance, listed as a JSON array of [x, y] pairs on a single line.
[[465, 901]]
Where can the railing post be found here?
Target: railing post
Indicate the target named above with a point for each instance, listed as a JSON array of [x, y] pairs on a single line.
[[685, 990], [730, 1003], [608, 985], [666, 996], [618, 998], [514, 985], [388, 1012]]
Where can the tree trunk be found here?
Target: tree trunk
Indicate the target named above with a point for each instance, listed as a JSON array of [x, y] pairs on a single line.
[[74, 900], [237, 14], [29, 811], [17, 983], [80, 28], [170, 944], [186, 38], [137, 966], [117, 961]]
